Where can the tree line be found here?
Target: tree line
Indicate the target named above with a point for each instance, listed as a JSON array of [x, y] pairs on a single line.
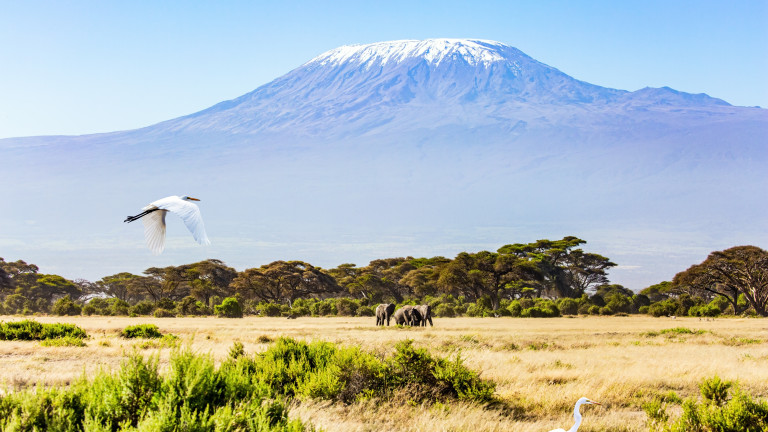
[[542, 278]]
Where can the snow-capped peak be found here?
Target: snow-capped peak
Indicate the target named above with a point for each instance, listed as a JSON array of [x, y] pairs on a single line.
[[473, 51]]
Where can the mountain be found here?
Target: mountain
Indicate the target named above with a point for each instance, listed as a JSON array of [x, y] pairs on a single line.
[[404, 148]]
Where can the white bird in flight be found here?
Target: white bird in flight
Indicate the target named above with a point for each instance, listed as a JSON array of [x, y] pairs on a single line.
[[154, 222], [577, 415]]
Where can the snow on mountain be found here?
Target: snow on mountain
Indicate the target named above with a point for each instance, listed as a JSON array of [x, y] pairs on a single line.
[[404, 148]]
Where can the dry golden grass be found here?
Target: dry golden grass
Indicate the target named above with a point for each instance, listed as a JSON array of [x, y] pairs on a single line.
[[541, 366]]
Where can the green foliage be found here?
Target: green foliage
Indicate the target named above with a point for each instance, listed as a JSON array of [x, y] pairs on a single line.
[[346, 307], [663, 308], [716, 412], [144, 307], [229, 308], [715, 390], [163, 313], [568, 306], [65, 306], [268, 309], [63, 341], [444, 310], [147, 331], [543, 308], [33, 330]]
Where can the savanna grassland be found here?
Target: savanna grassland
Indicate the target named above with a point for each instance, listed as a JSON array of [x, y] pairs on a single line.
[[540, 366]]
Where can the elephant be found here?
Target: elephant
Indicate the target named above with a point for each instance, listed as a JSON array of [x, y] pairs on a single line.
[[407, 315], [426, 314], [384, 311]]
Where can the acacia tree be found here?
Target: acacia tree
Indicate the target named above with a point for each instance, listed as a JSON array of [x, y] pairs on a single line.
[[171, 283], [209, 278], [566, 271], [731, 273], [486, 273], [381, 279], [119, 285], [284, 281], [5, 279], [423, 278], [20, 274]]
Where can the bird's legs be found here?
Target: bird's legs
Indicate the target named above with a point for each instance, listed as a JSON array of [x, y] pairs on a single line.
[[140, 215]]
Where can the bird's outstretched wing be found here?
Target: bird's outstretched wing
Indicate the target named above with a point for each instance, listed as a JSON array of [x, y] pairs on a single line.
[[188, 212], [154, 229]]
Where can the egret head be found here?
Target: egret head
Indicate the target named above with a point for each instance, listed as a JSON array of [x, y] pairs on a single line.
[[585, 401], [189, 198]]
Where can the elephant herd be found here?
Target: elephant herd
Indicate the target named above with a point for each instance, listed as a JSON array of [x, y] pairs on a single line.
[[406, 315]]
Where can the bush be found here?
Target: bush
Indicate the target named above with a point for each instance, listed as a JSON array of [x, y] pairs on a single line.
[[568, 306], [368, 311], [141, 331], [323, 308], [606, 310], [477, 310], [229, 308], [542, 308], [63, 341], [65, 306], [144, 307], [444, 310], [515, 308], [708, 310], [269, 309], [163, 313], [715, 390], [33, 330], [346, 307], [120, 307], [716, 413]]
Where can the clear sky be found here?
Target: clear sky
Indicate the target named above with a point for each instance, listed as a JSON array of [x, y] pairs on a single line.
[[80, 67]]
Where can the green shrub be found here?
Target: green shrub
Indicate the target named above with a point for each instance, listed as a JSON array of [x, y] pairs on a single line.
[[515, 308], [568, 306], [146, 331], [716, 413], [368, 311], [346, 307], [268, 309], [243, 393], [65, 306], [323, 308], [229, 308], [606, 310], [707, 310], [715, 390], [33, 330], [119, 307], [444, 311], [163, 313], [144, 307], [477, 310], [63, 341], [542, 308]]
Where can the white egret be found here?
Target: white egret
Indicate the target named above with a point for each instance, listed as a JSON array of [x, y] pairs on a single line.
[[577, 415], [154, 222]]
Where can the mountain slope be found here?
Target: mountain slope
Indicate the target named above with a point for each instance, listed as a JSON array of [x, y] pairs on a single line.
[[405, 147]]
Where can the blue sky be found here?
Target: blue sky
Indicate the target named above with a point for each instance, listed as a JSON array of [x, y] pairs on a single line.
[[80, 67]]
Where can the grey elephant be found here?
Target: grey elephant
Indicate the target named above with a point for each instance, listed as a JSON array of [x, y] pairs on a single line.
[[407, 315], [426, 314], [384, 311]]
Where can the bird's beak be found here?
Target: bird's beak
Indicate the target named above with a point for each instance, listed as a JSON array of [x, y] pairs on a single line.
[[193, 199], [595, 403]]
